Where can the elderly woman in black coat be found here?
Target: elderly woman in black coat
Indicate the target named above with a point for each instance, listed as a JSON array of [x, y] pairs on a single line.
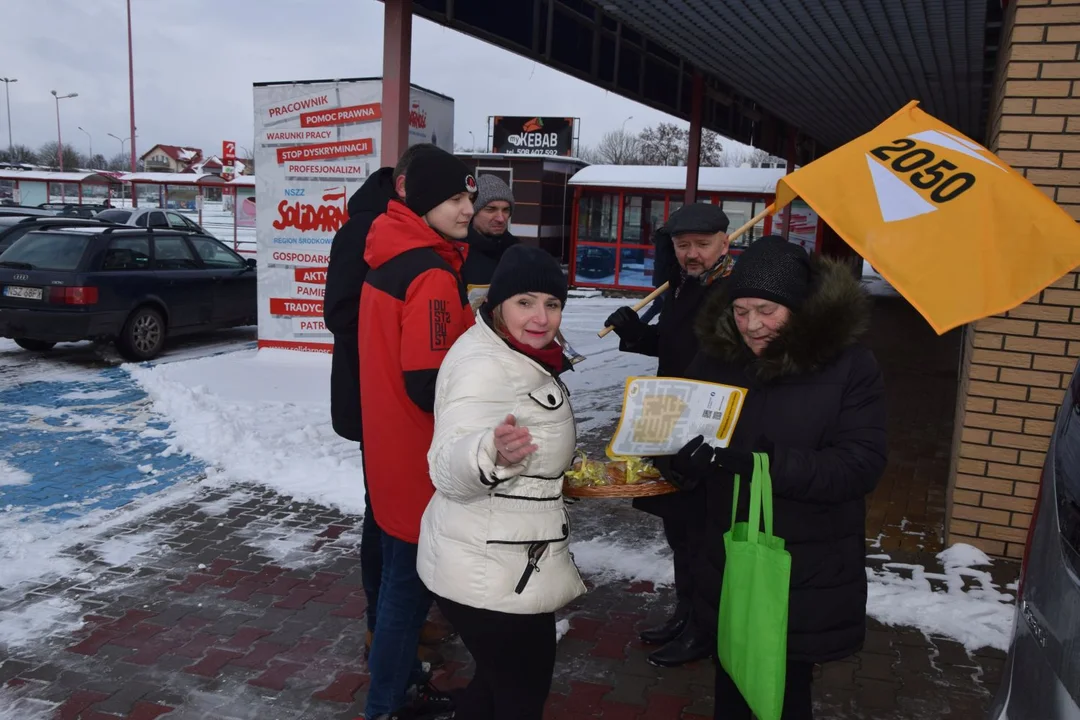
[[787, 328]]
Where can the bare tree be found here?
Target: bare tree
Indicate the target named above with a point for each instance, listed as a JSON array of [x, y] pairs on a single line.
[[18, 154], [72, 158], [741, 155], [97, 162], [712, 150], [664, 144], [669, 144], [618, 147]]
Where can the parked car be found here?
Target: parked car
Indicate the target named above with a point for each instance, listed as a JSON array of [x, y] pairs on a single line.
[[13, 227], [156, 218], [83, 210], [25, 211], [595, 262], [133, 287], [1040, 675]]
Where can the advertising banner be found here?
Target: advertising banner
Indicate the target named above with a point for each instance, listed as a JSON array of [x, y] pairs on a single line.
[[533, 135], [315, 145], [228, 159]]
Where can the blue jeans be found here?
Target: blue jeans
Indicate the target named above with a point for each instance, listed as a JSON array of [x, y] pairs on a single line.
[[404, 602], [371, 565]]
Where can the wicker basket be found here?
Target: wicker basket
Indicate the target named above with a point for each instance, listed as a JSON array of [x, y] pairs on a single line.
[[645, 489]]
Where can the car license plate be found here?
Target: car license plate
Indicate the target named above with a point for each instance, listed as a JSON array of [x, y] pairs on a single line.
[[25, 293]]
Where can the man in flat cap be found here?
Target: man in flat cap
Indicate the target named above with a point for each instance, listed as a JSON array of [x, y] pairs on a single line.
[[697, 236]]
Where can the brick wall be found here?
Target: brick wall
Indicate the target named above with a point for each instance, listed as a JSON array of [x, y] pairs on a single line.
[[1016, 366]]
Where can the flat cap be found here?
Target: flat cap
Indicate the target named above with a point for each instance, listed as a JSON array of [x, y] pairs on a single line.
[[697, 218]]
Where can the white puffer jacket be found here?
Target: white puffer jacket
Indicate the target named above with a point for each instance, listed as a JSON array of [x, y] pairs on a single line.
[[497, 538]]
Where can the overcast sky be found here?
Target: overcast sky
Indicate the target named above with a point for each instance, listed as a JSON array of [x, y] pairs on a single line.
[[195, 62]]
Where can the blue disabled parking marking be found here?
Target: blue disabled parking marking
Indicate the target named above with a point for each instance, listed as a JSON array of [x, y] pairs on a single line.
[[77, 446]]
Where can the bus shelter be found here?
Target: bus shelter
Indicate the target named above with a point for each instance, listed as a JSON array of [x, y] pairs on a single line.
[[38, 187], [618, 209], [180, 191]]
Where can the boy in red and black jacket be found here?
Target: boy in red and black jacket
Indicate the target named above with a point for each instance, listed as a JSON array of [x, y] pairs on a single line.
[[412, 308]]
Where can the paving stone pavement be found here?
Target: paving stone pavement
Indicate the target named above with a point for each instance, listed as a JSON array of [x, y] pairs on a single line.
[[255, 610]]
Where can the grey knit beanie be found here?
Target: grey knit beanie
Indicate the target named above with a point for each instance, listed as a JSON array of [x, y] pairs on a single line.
[[492, 188]]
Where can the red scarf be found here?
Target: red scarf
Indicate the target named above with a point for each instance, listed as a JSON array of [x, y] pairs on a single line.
[[550, 357]]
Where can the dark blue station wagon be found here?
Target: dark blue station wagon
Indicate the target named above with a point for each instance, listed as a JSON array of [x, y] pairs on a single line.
[[133, 286]]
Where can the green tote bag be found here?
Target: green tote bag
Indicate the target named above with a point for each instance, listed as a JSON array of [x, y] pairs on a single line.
[[753, 623]]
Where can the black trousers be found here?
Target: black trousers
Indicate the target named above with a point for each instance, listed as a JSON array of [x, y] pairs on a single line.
[[515, 659], [684, 530], [797, 698], [678, 536]]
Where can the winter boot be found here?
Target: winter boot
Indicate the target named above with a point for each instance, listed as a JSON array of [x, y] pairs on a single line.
[[669, 629], [432, 634], [690, 646]]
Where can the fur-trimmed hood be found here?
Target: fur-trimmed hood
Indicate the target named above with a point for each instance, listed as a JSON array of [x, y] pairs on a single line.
[[833, 317]]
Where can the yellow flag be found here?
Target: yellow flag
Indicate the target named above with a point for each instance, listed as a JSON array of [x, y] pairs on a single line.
[[954, 229]]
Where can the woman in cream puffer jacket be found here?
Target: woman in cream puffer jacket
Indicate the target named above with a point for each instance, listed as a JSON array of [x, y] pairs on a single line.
[[494, 540]]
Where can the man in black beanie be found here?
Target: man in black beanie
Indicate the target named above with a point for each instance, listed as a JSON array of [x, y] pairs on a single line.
[[412, 309], [341, 308], [696, 235]]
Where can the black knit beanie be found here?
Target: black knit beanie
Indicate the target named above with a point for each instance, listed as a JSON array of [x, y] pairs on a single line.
[[525, 269], [771, 269], [433, 177]]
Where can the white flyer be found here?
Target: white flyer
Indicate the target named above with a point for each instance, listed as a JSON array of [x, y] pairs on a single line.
[[477, 294], [660, 415]]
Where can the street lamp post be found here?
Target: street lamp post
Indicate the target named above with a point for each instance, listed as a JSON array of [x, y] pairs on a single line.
[[631, 117], [90, 142], [131, 87], [122, 141], [59, 141], [7, 93]]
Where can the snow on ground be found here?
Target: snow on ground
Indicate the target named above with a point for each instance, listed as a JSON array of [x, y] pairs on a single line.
[[38, 551], [561, 628], [261, 417], [977, 617], [608, 558], [13, 476], [875, 284], [28, 622]]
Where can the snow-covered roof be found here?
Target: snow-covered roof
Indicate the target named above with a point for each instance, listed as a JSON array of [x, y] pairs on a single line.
[[661, 177], [243, 181], [172, 178], [518, 156], [50, 176]]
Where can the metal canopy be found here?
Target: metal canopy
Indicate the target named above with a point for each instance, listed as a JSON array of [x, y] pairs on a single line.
[[833, 69]]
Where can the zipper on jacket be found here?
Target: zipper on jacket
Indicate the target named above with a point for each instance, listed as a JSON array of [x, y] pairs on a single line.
[[533, 566]]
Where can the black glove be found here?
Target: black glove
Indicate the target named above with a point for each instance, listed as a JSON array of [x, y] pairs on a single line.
[[626, 323], [686, 468], [735, 462], [697, 460]]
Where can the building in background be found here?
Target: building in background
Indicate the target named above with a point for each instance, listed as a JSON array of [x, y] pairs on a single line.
[[618, 208], [543, 198], [171, 158]]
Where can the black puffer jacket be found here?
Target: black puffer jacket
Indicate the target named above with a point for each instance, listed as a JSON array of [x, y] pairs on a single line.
[[484, 255], [341, 306], [817, 398]]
